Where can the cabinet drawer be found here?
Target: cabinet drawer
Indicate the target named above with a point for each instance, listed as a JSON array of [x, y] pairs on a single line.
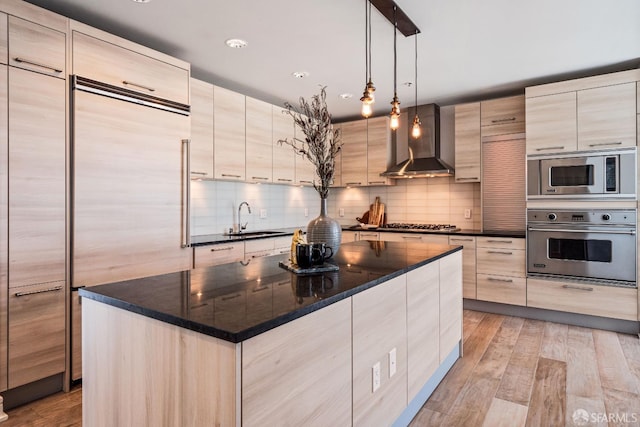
[[205, 256], [464, 241], [369, 235], [502, 111], [502, 289], [282, 245], [36, 332], [500, 243], [503, 262], [259, 245], [36, 48], [596, 300], [115, 65]]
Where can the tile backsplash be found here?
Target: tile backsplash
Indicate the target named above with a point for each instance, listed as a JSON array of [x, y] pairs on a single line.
[[214, 204]]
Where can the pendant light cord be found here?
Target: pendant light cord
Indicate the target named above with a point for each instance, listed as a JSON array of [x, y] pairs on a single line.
[[366, 41], [416, 71], [395, 54], [369, 25]]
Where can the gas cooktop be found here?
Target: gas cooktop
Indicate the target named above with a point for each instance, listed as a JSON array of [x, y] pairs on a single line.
[[429, 227]]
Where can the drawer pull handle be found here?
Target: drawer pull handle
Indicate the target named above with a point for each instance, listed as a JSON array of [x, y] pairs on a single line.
[[494, 279], [510, 119], [605, 144], [128, 83], [461, 240], [263, 178], [284, 180], [305, 182], [37, 64], [199, 173], [260, 289], [412, 237], [228, 248], [579, 288], [286, 282], [354, 183], [500, 241], [228, 175], [41, 291], [231, 297], [500, 252], [376, 182], [474, 178], [559, 147]]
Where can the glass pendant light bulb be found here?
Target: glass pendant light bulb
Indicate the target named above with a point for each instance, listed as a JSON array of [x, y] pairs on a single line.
[[366, 109], [395, 121], [395, 113], [416, 131]]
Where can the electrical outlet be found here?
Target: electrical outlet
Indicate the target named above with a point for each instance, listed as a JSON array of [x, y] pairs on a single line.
[[467, 213], [341, 212], [263, 213], [392, 362], [375, 376], [306, 212]]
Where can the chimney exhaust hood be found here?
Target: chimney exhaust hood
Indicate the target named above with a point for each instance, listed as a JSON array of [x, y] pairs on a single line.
[[424, 153]]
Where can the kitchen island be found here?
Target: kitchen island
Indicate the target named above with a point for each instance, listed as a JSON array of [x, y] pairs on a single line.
[[253, 344]]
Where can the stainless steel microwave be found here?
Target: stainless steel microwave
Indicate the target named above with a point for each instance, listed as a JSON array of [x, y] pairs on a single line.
[[607, 174]]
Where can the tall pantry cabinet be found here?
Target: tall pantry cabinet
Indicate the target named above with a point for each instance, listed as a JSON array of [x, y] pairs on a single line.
[[33, 200]]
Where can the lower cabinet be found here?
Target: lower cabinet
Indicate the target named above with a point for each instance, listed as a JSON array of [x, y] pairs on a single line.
[[36, 332], [468, 244], [500, 266], [207, 256], [76, 336]]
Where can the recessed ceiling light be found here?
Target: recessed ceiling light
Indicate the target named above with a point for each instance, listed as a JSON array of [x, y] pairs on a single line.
[[236, 43], [408, 84], [300, 74], [346, 95], [142, 1]]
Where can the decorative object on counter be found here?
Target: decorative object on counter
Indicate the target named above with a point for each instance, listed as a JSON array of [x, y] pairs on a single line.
[[298, 237], [374, 217], [319, 253], [320, 146], [316, 269], [305, 255]]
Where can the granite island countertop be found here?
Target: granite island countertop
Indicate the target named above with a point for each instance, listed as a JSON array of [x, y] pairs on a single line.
[[240, 300]]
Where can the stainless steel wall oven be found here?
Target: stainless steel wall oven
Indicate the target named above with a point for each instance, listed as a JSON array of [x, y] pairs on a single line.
[[598, 245]]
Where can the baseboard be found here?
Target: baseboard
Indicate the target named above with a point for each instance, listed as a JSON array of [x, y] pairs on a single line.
[[33, 391]]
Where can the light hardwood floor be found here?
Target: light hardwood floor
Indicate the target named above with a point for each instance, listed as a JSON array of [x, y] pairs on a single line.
[[515, 372]]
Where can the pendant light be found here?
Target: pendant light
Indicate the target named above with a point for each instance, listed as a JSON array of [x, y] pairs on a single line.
[[415, 129], [367, 96], [395, 103]]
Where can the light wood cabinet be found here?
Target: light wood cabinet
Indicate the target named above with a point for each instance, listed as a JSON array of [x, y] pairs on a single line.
[[551, 123], [423, 334], [438, 239], [36, 332], [468, 244], [450, 303], [76, 336], [4, 223], [122, 67], [305, 170], [259, 141], [380, 327], [228, 134], [201, 129], [285, 373], [37, 183], [337, 175], [206, 256], [37, 48], [368, 235], [467, 142], [283, 155], [4, 45], [607, 117], [349, 236], [378, 147], [354, 153], [584, 298], [503, 111], [501, 270]]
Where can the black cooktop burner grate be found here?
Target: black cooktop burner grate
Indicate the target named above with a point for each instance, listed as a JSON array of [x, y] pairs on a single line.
[[431, 227]]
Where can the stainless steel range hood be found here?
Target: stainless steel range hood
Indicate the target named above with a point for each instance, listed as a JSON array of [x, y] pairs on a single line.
[[424, 153]]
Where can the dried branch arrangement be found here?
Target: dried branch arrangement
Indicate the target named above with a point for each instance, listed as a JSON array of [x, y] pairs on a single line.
[[321, 144]]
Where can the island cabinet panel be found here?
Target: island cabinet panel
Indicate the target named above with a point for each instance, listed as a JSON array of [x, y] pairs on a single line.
[[191, 381], [259, 144], [299, 374], [201, 129], [423, 335], [283, 154], [450, 303], [467, 142], [379, 327], [551, 123], [228, 134]]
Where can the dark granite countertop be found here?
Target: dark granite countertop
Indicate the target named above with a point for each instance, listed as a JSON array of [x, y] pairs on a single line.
[[237, 301], [214, 239], [463, 232]]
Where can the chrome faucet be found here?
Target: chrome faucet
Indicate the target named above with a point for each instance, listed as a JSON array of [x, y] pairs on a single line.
[[240, 226]]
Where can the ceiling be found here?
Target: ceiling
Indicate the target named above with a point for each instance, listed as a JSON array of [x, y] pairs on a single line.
[[467, 49]]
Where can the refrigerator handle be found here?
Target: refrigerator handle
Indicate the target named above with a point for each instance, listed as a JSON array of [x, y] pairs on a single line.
[[186, 242]]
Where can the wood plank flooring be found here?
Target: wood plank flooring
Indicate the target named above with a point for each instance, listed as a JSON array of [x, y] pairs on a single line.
[[515, 372]]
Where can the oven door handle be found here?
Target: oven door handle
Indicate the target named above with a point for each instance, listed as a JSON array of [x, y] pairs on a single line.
[[566, 230]]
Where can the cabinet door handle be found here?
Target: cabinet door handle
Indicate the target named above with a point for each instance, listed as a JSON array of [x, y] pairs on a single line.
[[284, 180], [263, 178], [376, 182], [228, 248], [473, 178], [500, 252], [260, 289], [354, 183], [495, 279], [604, 144], [40, 291], [510, 119], [461, 240], [199, 173], [37, 64], [412, 237], [579, 288], [559, 147], [306, 182], [228, 175], [231, 297], [500, 241], [128, 83]]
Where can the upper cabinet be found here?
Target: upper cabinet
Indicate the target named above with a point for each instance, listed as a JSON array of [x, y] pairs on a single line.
[[201, 129], [4, 46], [283, 154], [354, 153], [467, 146], [378, 145], [337, 175], [109, 62], [593, 113], [305, 170], [36, 48], [259, 144], [502, 116], [229, 134]]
